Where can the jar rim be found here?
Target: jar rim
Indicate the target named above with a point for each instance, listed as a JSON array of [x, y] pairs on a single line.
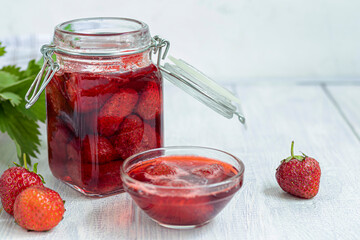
[[61, 27], [102, 36]]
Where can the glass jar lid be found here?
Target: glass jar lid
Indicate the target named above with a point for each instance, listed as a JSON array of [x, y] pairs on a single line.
[[202, 88]]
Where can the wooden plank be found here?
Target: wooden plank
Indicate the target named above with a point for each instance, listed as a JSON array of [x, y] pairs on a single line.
[[276, 115], [347, 99]]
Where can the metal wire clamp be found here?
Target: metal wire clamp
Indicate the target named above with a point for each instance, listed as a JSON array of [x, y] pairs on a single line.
[[50, 67], [157, 45]]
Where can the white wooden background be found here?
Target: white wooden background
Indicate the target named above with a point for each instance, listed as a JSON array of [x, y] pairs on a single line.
[[322, 117], [228, 39]]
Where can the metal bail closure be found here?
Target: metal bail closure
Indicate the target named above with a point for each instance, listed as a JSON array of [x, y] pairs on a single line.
[[50, 67], [202, 88], [197, 84]]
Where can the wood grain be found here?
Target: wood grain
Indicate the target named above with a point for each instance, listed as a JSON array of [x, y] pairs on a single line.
[[275, 116], [347, 99]]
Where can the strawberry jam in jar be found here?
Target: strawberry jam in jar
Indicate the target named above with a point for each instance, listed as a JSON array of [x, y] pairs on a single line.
[[104, 101]]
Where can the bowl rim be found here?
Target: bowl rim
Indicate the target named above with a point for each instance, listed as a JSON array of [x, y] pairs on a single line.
[[240, 173]]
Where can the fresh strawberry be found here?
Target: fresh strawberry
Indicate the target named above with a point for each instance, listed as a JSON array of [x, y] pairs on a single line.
[[38, 208], [13, 181], [97, 149], [299, 175], [149, 102], [129, 137], [115, 109]]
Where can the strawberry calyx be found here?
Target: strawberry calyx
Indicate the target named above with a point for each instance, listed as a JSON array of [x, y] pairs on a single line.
[[298, 157], [34, 168]]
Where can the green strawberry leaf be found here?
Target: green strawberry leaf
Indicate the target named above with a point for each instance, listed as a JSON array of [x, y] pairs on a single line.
[[19, 123], [287, 159], [14, 86], [18, 150], [35, 167], [32, 69], [42, 178], [304, 154], [16, 164], [2, 50], [37, 111], [300, 158], [22, 130], [12, 69], [12, 97], [7, 79]]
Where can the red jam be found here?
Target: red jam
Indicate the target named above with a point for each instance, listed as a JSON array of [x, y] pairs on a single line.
[[185, 200], [97, 120]]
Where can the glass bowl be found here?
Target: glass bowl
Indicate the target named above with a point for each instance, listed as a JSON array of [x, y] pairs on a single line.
[[186, 200]]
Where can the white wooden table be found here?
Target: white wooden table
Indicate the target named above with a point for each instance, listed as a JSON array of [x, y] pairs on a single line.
[[322, 117]]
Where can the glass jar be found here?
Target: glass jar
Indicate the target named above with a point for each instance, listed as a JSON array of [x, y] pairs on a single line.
[[104, 98], [103, 104]]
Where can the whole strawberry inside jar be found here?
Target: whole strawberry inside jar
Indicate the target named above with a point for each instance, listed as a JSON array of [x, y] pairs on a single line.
[[104, 101]]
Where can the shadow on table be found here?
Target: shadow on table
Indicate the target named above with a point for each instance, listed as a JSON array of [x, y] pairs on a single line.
[[112, 216], [148, 229], [277, 192]]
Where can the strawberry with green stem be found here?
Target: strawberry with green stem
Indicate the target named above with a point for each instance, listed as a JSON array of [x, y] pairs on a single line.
[[299, 175], [14, 180]]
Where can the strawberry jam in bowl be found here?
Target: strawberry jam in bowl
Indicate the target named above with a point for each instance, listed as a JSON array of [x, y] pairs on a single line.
[[182, 187], [104, 102]]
